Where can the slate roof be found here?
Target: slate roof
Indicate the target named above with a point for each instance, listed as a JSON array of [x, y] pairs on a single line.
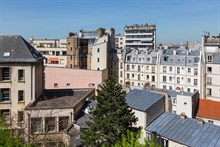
[[142, 100], [18, 50], [59, 98], [185, 131]]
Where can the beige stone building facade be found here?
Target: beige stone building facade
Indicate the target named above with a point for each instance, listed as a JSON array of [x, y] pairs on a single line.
[[21, 77]]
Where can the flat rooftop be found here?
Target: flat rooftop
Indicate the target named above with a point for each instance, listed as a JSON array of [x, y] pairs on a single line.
[[60, 98]]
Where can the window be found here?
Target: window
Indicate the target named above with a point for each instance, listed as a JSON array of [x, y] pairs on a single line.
[[132, 75], [209, 80], [91, 84], [128, 76], [132, 83], [164, 87], [189, 61], [20, 116], [128, 67], [164, 69], [67, 84], [188, 90], [210, 58], [147, 77], [189, 80], [55, 85], [139, 84], [170, 87], [165, 58], [153, 69], [178, 70], [120, 65], [195, 81], [195, 71], [209, 69], [209, 91], [132, 66], [170, 69], [189, 70], [174, 100], [164, 79], [139, 77], [120, 73], [20, 75], [147, 67], [98, 50], [5, 73], [178, 80], [5, 93], [5, 114], [139, 68], [20, 95], [63, 123], [97, 59], [50, 125], [97, 68], [170, 78], [185, 103], [36, 125], [153, 78]]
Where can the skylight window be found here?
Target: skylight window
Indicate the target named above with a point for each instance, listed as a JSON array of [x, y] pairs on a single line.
[[6, 54]]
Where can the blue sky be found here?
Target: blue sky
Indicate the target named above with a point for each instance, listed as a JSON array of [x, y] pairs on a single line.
[[177, 20]]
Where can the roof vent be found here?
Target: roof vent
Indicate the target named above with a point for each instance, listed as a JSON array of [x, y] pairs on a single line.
[[6, 54], [200, 121], [183, 115]]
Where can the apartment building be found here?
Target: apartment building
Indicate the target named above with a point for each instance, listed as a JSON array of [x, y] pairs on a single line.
[[54, 51], [138, 67], [141, 36], [90, 49], [211, 54], [179, 69], [119, 41], [21, 77]]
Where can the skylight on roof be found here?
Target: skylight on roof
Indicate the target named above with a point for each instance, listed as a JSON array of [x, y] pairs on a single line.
[[6, 54]]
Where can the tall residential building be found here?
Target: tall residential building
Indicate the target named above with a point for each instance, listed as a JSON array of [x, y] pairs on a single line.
[[211, 54], [54, 51], [21, 77], [180, 69], [138, 67], [140, 36], [90, 49], [119, 41]]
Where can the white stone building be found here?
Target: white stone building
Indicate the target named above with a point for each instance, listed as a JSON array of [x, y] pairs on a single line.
[[54, 51], [179, 69], [211, 54], [138, 67], [119, 41], [140, 36]]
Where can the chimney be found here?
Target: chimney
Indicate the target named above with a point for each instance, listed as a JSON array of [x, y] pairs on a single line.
[[174, 51], [200, 121], [147, 51], [81, 33], [178, 89], [101, 32], [71, 34], [183, 115], [136, 51]]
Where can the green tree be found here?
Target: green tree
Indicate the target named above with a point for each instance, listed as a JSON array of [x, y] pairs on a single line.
[[132, 140], [8, 138], [110, 118]]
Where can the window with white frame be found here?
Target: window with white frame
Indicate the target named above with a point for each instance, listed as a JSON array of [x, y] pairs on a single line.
[[209, 80], [210, 58], [209, 91]]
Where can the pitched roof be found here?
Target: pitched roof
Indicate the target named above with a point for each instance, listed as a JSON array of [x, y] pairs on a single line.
[[141, 99], [16, 49], [209, 109], [185, 131]]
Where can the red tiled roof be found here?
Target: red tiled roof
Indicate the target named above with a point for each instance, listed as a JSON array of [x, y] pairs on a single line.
[[209, 109]]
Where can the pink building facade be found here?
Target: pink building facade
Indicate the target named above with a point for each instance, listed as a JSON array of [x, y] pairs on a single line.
[[63, 78]]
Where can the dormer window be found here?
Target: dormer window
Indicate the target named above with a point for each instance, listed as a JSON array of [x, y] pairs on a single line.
[[210, 58]]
